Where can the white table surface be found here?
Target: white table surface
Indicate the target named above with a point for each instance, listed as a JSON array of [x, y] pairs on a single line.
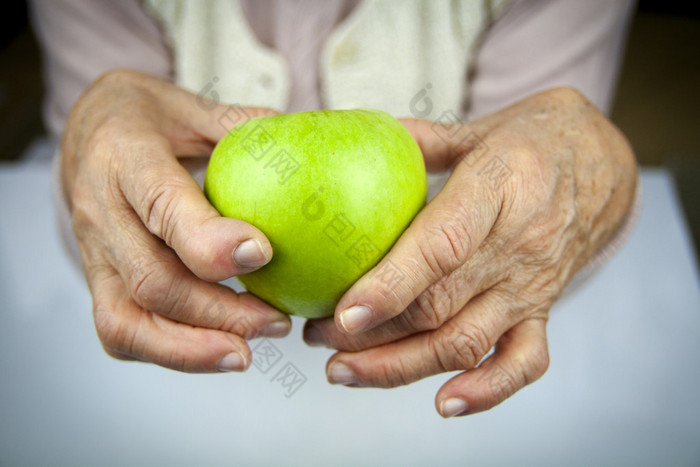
[[622, 388]]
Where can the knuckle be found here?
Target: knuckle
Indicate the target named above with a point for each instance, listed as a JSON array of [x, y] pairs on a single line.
[[107, 137], [104, 325], [419, 315], [241, 325], [83, 216], [502, 383], [461, 347], [84, 201], [102, 150], [113, 332], [392, 374], [155, 289], [213, 312], [448, 247], [236, 317], [114, 77], [429, 310], [539, 364], [148, 289], [531, 188], [568, 95], [159, 208], [441, 298], [454, 239], [232, 317], [539, 245]]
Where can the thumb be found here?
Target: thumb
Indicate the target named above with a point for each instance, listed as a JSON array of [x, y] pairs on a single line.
[[221, 119], [171, 204], [441, 238], [444, 144], [201, 117], [173, 207]]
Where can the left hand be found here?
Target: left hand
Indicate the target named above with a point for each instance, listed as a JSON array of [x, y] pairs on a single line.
[[544, 184]]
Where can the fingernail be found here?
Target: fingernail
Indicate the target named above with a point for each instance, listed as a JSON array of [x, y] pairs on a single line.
[[276, 329], [250, 254], [355, 318], [452, 406], [313, 336], [232, 362], [340, 373]]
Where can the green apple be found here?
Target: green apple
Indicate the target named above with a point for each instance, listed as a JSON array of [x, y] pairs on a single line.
[[333, 190]]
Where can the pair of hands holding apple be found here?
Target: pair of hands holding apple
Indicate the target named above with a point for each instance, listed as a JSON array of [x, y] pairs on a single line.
[[483, 262]]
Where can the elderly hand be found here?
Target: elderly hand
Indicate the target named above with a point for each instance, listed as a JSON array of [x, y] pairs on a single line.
[[536, 189], [151, 245]]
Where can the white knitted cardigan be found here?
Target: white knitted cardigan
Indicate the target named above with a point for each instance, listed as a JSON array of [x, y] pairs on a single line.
[[380, 56]]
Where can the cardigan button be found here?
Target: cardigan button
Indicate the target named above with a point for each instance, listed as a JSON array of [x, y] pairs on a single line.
[[266, 80], [345, 52]]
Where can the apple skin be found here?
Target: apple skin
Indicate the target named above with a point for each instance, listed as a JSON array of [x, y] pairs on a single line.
[[332, 190]]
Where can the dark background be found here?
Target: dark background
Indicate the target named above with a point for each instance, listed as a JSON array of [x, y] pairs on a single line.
[[657, 104]]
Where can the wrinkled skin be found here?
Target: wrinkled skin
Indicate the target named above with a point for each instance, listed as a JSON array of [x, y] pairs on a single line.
[[479, 267], [151, 244], [482, 264]]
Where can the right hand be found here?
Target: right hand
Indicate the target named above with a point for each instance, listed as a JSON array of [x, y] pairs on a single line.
[[152, 247]]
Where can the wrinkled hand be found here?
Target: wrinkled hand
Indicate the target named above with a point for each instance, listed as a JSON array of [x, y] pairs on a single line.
[[536, 189], [151, 244]]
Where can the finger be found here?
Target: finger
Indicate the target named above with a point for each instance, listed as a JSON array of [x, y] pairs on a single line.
[[207, 123], [440, 239], [520, 358], [173, 207], [195, 122], [444, 144], [435, 305], [457, 345], [159, 282], [127, 331]]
